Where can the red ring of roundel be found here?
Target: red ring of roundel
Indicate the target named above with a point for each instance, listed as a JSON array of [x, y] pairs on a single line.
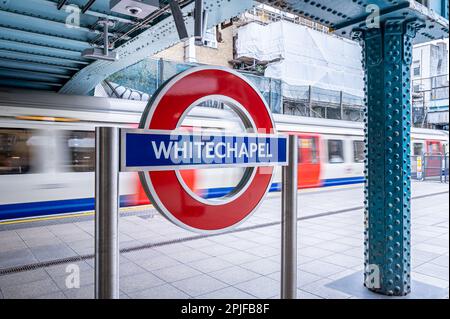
[[181, 205]]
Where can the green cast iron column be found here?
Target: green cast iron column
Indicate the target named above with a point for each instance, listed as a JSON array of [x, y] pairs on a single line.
[[387, 53]]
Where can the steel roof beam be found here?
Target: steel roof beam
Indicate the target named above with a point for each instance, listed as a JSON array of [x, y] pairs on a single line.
[[25, 22], [29, 84], [31, 75], [39, 49], [89, 12], [39, 58], [37, 67], [42, 39], [156, 38]]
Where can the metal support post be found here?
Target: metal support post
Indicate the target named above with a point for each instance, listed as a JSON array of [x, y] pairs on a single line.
[[310, 101], [106, 38], [289, 223], [387, 54], [106, 213]]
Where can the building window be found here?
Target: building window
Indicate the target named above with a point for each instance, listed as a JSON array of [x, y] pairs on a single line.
[[81, 145], [416, 68], [358, 151], [418, 149], [15, 151], [210, 38], [335, 151]]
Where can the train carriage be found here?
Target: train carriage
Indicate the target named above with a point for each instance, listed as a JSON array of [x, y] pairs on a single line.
[[47, 151]]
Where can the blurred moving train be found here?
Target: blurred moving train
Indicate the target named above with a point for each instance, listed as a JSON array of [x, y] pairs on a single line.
[[47, 152]]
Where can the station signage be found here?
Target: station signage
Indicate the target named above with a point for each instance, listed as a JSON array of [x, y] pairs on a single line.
[[159, 149], [153, 150]]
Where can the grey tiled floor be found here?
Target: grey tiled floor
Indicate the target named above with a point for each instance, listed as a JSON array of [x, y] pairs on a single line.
[[243, 264]]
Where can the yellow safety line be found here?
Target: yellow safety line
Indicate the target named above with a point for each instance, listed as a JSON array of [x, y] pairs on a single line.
[[90, 213]]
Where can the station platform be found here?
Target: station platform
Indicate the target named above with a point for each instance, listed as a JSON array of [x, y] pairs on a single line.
[[160, 260]]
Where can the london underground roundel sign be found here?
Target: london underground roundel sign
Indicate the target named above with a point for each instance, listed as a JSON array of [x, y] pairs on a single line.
[[164, 185]]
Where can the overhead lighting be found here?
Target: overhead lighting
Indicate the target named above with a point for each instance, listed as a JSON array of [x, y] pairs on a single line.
[[99, 54], [135, 8]]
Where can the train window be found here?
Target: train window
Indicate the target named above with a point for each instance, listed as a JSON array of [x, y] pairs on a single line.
[[434, 148], [418, 149], [15, 151], [358, 151], [307, 152], [335, 151], [82, 151]]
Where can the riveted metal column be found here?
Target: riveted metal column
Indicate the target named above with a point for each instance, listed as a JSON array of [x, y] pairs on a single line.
[[387, 58]]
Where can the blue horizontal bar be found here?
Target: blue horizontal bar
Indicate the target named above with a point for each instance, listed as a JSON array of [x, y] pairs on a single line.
[[33, 209]]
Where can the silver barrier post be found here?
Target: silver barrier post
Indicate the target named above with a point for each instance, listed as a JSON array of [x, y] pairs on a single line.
[[289, 223], [106, 213]]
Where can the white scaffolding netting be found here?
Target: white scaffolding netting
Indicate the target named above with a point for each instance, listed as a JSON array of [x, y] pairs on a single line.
[[308, 57]]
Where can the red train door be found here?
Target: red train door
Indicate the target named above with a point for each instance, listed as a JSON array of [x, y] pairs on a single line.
[[434, 147], [308, 161], [433, 158]]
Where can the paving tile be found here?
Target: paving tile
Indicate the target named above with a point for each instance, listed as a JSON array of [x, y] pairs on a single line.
[[314, 252], [157, 262], [261, 287], [441, 283], [264, 251], [227, 293], [217, 250], [85, 292], [305, 278], [199, 285], [433, 248], [22, 277], [243, 244], [239, 257], [6, 235], [30, 290], [319, 289], [130, 268], [53, 295], [64, 269], [301, 294], [52, 252], [441, 261], [329, 248], [188, 256], [209, 264], [262, 266], [17, 257], [234, 275], [166, 291], [199, 243], [142, 255], [172, 249], [433, 270], [82, 247], [12, 244], [175, 273], [139, 282], [321, 268], [67, 281], [343, 260]]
